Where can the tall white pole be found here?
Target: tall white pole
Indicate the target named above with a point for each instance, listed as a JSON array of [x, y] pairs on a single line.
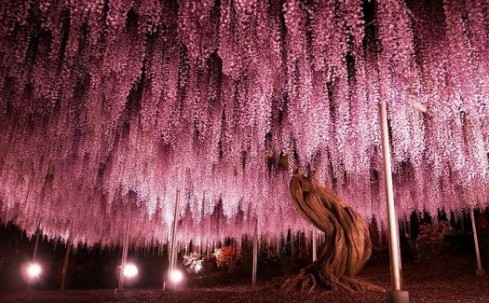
[[65, 264], [34, 254], [255, 254], [125, 249], [278, 241], [173, 251], [395, 295], [314, 245], [479, 271], [38, 235]]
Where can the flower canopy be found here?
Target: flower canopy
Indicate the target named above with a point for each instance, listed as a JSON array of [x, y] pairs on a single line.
[[108, 107]]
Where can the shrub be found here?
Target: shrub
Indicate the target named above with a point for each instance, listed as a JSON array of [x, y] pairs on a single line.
[[227, 257], [429, 243]]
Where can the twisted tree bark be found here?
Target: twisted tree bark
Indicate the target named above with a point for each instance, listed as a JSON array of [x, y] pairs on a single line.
[[347, 247]]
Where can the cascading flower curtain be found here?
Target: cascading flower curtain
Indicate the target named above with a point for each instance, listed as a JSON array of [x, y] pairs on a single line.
[[106, 97]]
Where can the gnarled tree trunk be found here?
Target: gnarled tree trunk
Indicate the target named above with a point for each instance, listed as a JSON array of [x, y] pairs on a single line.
[[347, 245]]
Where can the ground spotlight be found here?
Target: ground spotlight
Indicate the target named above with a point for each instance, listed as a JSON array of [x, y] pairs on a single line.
[[33, 271], [130, 270], [176, 276]]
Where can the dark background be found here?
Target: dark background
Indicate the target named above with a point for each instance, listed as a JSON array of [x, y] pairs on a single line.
[[97, 267]]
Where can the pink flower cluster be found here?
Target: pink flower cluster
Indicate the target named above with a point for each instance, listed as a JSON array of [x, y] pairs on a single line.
[[111, 106]]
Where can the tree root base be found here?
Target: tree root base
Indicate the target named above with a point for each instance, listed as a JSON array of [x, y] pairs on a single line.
[[306, 280]]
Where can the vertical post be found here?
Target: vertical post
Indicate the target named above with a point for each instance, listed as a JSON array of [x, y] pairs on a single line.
[[255, 254], [450, 224], [404, 223], [34, 254], [125, 249], [314, 245], [409, 226], [65, 264], [292, 244], [479, 271], [278, 242], [396, 295], [173, 251]]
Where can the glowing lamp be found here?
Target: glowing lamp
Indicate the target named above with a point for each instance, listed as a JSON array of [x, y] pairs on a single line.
[[130, 270], [176, 276], [34, 270]]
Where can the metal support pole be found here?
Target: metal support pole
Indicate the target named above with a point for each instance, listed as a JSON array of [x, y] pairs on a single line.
[[278, 242], [449, 225], [125, 249], [314, 245], [255, 254], [479, 271], [173, 251], [65, 264], [34, 254], [395, 295]]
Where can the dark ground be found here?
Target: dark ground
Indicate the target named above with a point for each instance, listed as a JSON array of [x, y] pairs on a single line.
[[443, 273], [450, 279]]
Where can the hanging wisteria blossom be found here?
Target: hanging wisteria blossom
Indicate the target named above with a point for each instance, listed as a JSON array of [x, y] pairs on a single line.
[[108, 107]]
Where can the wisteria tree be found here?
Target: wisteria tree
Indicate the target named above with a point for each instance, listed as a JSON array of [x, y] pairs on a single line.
[[347, 247], [103, 98]]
